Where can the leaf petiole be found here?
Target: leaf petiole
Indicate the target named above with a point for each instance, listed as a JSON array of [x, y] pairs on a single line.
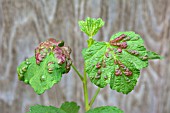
[[78, 73], [94, 97]]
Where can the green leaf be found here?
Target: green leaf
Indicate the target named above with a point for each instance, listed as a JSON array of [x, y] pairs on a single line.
[[93, 56], [45, 69], [91, 26], [45, 109], [67, 107], [38, 76], [70, 107], [153, 55], [105, 109], [117, 62]]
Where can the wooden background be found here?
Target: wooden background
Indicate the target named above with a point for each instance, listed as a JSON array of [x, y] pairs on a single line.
[[25, 23]]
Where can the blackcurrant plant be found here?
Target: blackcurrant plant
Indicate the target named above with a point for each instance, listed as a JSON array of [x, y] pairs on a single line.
[[117, 62]]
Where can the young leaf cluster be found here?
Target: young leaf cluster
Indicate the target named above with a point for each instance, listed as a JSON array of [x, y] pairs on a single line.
[[91, 26]]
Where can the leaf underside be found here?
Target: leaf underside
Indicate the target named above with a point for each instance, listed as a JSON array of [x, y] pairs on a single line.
[[105, 109], [117, 62]]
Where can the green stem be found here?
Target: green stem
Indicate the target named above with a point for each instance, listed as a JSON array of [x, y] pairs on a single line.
[[75, 69], [84, 80], [90, 36], [86, 97], [94, 97]]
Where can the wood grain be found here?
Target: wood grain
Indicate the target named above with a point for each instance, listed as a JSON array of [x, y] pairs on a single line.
[[25, 23]]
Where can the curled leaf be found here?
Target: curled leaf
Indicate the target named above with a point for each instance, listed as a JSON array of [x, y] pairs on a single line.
[[42, 71]]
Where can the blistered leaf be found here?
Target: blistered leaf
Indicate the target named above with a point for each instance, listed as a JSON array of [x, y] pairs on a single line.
[[45, 109], [105, 109], [52, 59], [117, 62], [70, 107], [91, 26], [96, 61]]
